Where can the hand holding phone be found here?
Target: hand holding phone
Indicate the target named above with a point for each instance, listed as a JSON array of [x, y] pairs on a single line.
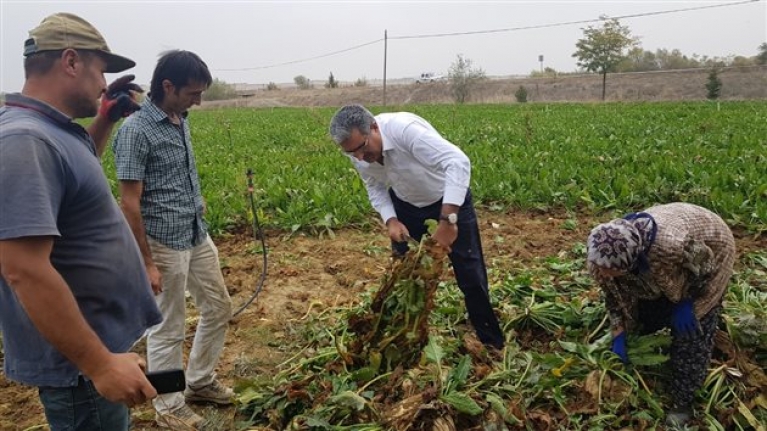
[[167, 381]]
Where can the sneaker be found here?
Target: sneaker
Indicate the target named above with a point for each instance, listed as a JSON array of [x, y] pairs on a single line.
[[212, 393], [182, 418]]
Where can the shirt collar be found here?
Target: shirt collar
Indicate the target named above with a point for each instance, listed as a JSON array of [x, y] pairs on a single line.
[[386, 144], [154, 111], [21, 101]]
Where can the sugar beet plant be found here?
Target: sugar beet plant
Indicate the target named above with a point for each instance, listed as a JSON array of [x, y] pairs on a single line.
[[580, 157], [556, 372]]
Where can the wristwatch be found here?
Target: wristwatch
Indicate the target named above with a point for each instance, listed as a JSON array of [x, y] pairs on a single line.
[[450, 218]]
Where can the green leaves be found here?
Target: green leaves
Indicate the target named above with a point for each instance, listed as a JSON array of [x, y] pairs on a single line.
[[566, 378], [566, 155], [462, 403]]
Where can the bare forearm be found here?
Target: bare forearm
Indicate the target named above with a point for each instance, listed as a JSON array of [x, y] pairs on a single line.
[[450, 208], [100, 130], [136, 223]]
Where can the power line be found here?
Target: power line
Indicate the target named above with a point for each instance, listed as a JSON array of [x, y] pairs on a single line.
[[500, 30], [562, 24], [304, 59]]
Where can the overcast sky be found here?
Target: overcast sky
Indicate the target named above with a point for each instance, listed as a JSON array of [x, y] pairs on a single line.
[[249, 41]]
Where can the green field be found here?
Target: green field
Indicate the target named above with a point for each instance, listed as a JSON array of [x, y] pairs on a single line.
[[556, 371], [579, 157]]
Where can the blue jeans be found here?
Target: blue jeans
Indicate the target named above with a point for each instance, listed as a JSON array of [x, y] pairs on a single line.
[[82, 408]]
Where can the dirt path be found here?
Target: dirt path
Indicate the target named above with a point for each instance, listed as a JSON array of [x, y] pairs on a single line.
[[308, 274]]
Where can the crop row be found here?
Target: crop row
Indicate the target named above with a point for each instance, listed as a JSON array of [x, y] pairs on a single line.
[[576, 157]]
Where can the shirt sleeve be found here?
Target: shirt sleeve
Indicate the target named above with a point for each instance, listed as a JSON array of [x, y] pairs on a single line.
[[131, 151], [32, 187], [378, 195], [621, 308], [440, 155]]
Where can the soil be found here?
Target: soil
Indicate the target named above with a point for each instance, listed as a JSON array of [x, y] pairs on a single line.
[[307, 274]]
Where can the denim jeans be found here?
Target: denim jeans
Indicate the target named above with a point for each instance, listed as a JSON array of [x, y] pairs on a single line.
[[82, 408]]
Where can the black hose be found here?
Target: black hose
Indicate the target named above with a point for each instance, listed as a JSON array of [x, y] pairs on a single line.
[[258, 234]]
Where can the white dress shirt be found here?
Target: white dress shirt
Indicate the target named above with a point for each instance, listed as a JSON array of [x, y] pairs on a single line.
[[420, 166]]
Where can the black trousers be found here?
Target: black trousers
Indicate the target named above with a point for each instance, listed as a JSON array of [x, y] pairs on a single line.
[[466, 257], [690, 357]]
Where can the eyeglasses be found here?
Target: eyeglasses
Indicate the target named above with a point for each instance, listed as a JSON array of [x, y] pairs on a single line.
[[359, 147]]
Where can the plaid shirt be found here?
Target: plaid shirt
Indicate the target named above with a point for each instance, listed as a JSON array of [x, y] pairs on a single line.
[[692, 257], [149, 148]]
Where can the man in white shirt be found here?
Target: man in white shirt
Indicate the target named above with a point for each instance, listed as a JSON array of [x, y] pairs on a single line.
[[413, 174]]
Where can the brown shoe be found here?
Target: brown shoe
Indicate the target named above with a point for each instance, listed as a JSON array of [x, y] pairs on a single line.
[[212, 393], [182, 418]]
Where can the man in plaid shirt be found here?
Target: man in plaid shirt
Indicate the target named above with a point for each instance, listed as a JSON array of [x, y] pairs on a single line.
[[161, 199], [667, 266]]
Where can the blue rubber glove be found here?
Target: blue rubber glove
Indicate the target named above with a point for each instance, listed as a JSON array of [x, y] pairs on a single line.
[[619, 347], [683, 320]]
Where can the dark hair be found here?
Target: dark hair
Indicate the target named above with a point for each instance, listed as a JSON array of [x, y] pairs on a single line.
[[42, 62], [181, 68]]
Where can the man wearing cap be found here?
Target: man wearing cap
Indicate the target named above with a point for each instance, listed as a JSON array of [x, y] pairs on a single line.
[[412, 174], [161, 198], [668, 266], [74, 295]]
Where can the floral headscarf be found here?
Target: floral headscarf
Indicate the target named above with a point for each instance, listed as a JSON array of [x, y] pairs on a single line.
[[622, 244]]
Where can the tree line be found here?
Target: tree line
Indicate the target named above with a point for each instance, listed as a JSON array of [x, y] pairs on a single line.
[[609, 48]]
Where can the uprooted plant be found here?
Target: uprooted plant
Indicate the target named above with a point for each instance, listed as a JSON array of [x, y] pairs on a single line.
[[404, 359]]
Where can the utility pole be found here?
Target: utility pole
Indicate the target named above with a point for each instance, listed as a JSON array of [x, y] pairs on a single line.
[[386, 40]]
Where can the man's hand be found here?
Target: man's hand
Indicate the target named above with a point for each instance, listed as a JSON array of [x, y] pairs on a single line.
[[683, 321], [155, 278], [619, 347], [397, 231], [119, 99], [121, 380], [445, 234]]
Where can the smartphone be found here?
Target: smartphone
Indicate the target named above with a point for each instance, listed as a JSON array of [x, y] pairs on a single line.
[[167, 381]]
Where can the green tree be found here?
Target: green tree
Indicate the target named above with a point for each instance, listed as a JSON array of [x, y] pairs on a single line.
[[219, 90], [674, 59], [332, 83], [742, 61], [602, 49], [639, 60], [463, 77], [302, 82], [521, 94], [761, 58], [713, 85]]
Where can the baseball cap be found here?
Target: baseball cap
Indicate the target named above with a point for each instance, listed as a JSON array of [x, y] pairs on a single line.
[[65, 30]]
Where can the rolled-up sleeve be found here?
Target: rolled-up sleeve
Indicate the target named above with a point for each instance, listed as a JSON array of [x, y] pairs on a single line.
[[131, 149]]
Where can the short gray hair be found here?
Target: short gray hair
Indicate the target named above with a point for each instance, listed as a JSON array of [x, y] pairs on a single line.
[[348, 118]]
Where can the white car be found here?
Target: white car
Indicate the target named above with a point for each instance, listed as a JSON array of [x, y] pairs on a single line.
[[429, 77]]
